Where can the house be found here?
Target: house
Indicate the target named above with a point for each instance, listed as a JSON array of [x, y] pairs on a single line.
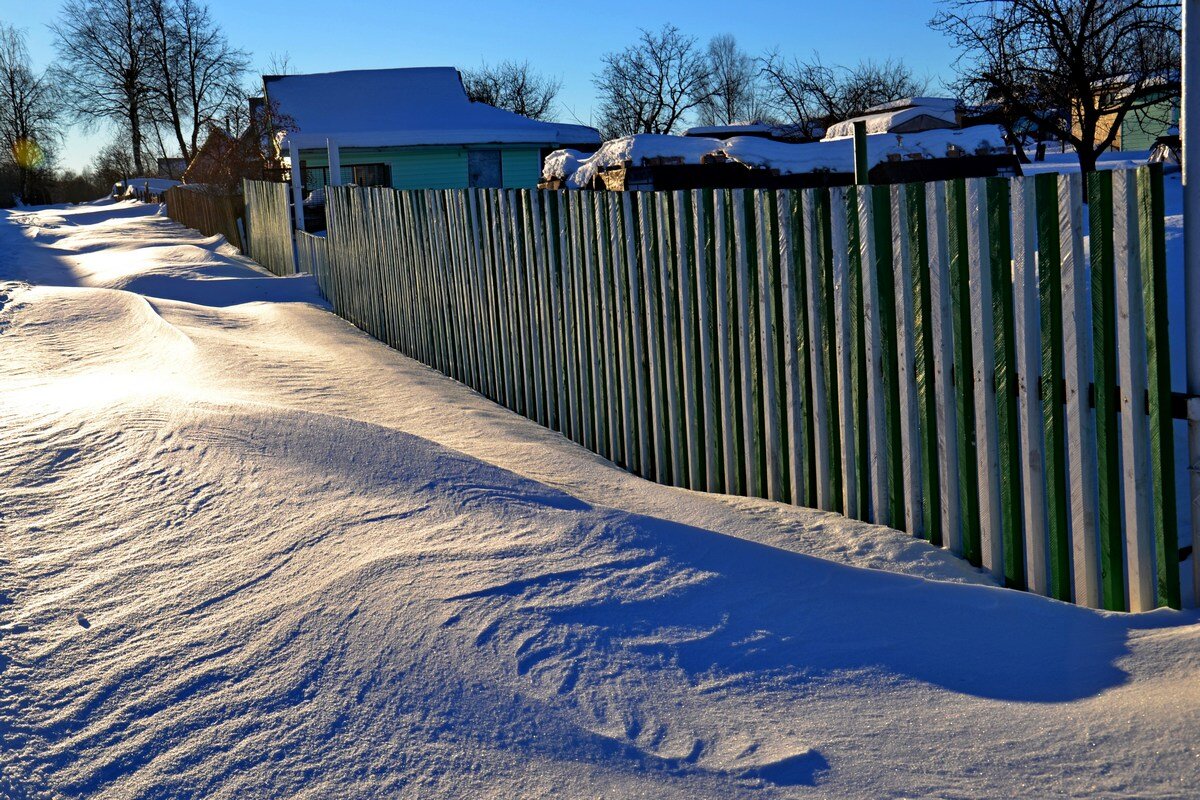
[[910, 115], [652, 162], [410, 128]]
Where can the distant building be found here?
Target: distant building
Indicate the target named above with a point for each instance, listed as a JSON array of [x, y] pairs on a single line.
[[411, 128], [910, 115], [171, 168], [1139, 130]]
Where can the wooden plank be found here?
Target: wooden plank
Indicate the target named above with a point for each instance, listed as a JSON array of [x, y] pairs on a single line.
[[822, 421], [1162, 444], [1005, 380], [1053, 408], [987, 444], [686, 261], [1104, 393], [1139, 539], [906, 361], [880, 506], [768, 331], [635, 233], [747, 355], [828, 343], [672, 389], [880, 197], [1027, 324], [843, 326], [794, 377], [621, 249], [702, 202], [725, 297], [600, 300], [861, 443], [964, 369], [943, 331], [923, 363], [1077, 372], [654, 341]]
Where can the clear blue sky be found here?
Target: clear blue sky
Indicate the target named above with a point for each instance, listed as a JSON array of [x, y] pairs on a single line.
[[567, 42]]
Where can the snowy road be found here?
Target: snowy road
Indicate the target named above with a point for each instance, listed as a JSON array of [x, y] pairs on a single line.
[[247, 552]]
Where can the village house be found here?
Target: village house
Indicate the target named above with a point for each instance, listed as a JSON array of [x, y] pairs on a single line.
[[409, 128]]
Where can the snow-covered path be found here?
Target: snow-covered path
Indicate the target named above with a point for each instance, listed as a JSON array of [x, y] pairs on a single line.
[[247, 552]]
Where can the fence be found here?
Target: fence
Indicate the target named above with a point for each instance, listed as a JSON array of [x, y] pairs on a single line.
[[206, 212], [938, 358], [268, 226]]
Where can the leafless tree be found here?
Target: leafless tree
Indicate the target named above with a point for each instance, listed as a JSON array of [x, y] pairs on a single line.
[[1076, 68], [196, 72], [105, 63], [279, 64], [811, 94], [650, 86], [29, 118], [733, 83], [514, 86]]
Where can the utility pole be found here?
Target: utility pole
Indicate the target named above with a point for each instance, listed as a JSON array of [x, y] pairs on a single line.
[[1189, 134]]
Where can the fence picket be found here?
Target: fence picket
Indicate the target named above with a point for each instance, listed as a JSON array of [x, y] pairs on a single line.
[[906, 359]]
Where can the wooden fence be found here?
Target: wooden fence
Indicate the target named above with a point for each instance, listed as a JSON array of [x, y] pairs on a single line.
[[206, 212], [938, 358], [269, 226]]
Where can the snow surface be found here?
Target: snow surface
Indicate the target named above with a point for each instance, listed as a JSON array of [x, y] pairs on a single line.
[[579, 169], [248, 552], [404, 107]]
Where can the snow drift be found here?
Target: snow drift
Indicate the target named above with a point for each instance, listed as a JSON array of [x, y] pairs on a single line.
[[249, 553]]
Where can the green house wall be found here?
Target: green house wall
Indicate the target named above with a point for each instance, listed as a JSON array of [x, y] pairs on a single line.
[[1138, 131], [435, 167]]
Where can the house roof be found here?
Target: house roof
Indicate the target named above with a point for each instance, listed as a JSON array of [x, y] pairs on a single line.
[[403, 107], [887, 121]]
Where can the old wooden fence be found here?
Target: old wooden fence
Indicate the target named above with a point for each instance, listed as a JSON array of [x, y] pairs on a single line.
[[268, 226], [939, 358], [207, 212]]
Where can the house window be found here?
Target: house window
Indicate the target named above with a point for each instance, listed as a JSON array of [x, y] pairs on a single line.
[[313, 178], [371, 174], [484, 169]]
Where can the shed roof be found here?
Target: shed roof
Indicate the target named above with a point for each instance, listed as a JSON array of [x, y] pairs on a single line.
[[404, 107]]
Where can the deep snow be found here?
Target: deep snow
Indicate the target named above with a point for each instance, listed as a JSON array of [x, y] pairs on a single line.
[[248, 552]]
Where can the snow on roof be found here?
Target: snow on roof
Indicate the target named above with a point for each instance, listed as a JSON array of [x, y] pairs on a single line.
[[733, 128], [939, 103], [403, 107], [578, 169], [884, 122]]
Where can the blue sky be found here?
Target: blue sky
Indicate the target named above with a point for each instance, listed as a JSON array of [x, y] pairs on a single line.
[[568, 42]]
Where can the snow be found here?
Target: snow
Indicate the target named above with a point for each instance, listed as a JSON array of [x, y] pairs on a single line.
[[403, 107], [578, 170], [885, 121], [155, 185], [248, 552]]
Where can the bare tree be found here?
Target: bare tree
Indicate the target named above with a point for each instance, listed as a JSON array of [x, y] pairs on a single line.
[[733, 83], [513, 86], [279, 64], [649, 86], [197, 72], [105, 63], [811, 94], [29, 118], [1076, 68]]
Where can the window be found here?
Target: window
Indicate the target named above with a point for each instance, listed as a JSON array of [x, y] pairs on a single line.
[[484, 169], [370, 174]]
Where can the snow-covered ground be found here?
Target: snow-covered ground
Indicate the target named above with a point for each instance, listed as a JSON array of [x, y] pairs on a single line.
[[248, 552]]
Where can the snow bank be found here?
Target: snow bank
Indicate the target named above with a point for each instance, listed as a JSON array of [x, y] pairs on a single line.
[[248, 552], [128, 188], [578, 170]]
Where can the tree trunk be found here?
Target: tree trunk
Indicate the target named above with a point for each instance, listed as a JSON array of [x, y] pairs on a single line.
[[135, 135]]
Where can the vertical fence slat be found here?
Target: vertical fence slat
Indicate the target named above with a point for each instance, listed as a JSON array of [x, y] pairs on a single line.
[[1081, 424], [877, 464], [726, 304], [1132, 366], [906, 375], [843, 327], [1027, 321], [822, 453], [1162, 435]]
